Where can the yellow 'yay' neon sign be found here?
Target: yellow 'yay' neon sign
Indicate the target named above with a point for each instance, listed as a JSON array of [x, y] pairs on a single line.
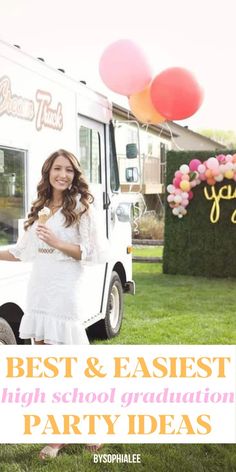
[[225, 193]]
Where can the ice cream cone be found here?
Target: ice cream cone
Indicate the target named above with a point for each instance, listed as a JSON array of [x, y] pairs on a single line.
[[44, 215], [43, 219]]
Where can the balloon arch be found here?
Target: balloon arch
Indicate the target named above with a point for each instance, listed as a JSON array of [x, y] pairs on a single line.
[[213, 170]]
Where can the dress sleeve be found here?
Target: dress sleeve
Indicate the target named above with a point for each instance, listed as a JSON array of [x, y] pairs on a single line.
[[92, 240], [25, 248]]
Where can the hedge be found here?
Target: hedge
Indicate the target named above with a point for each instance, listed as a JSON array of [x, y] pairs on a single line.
[[193, 245]]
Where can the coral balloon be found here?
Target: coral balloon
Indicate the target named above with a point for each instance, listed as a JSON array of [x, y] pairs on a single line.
[[124, 68], [142, 107], [176, 94]]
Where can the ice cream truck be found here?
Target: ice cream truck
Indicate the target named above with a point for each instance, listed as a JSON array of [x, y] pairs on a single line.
[[42, 110]]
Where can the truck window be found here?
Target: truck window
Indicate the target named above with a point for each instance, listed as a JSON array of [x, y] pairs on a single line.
[[90, 154], [12, 193], [114, 172]]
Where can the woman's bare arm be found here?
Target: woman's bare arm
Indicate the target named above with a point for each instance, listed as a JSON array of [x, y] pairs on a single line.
[[46, 235], [7, 256], [72, 250]]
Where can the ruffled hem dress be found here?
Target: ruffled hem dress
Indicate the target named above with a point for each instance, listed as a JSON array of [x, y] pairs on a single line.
[[53, 309]]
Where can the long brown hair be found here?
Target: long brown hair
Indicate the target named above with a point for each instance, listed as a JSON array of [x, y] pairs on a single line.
[[44, 191]]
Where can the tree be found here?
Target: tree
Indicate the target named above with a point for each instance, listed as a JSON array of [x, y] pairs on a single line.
[[227, 137]]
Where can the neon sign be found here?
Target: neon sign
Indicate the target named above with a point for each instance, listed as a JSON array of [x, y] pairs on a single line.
[[23, 108]]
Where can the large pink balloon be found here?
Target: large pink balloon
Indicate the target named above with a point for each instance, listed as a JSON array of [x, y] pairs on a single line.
[[176, 94], [124, 68]]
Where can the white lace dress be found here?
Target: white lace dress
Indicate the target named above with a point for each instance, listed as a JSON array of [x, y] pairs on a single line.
[[53, 308]]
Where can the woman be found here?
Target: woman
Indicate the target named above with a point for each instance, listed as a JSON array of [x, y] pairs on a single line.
[[61, 230]]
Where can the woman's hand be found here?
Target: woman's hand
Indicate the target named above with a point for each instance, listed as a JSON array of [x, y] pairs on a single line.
[[46, 235]]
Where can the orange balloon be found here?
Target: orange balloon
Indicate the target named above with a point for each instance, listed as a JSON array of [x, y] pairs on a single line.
[[208, 173], [142, 107], [211, 181]]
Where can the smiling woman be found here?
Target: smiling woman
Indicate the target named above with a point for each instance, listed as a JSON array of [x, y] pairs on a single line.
[[57, 233]]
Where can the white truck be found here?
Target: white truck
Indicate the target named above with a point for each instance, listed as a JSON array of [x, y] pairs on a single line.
[[42, 110]]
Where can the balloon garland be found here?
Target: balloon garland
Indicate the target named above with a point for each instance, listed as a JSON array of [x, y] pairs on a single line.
[[215, 169]]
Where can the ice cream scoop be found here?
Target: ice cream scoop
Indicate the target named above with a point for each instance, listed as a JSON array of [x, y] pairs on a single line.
[[43, 215]]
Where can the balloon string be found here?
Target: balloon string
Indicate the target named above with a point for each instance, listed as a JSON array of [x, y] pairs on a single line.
[[146, 126], [159, 135], [172, 138]]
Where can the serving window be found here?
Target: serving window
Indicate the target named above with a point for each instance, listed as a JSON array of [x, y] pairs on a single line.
[[12, 193], [90, 154]]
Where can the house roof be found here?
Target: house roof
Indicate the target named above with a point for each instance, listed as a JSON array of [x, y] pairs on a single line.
[[177, 127]]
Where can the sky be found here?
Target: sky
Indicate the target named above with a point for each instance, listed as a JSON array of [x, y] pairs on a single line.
[[195, 34]]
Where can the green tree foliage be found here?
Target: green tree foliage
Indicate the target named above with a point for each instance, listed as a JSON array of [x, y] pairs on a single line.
[[226, 137]]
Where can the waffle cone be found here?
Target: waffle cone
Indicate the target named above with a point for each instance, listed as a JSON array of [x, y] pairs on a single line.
[[43, 219]]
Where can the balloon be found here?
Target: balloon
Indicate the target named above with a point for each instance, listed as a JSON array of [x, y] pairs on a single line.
[[142, 107], [177, 199], [208, 173], [202, 177], [176, 94], [185, 177], [229, 166], [229, 174], [170, 188], [184, 169], [176, 181], [221, 158], [201, 169], [124, 68], [211, 181], [185, 185], [178, 173], [193, 165], [219, 178], [212, 163], [222, 168], [175, 211]]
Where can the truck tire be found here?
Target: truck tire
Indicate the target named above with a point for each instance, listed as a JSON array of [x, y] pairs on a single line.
[[110, 326], [6, 334]]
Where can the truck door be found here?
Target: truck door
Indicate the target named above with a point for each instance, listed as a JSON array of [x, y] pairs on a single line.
[[91, 154]]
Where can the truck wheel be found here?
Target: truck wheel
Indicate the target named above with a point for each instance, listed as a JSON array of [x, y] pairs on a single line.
[[6, 334], [114, 313], [110, 326]]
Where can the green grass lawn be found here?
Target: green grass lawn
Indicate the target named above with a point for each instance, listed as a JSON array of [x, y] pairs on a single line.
[[151, 251], [165, 310], [174, 309]]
